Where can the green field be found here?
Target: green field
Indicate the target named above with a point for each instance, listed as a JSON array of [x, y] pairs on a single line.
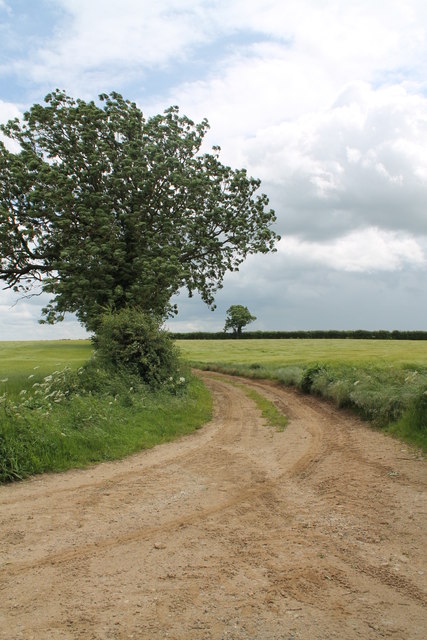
[[38, 358], [289, 352], [383, 381], [23, 356]]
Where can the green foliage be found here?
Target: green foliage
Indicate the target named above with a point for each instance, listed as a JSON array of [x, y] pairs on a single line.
[[238, 317], [308, 377], [104, 209], [74, 418], [133, 341]]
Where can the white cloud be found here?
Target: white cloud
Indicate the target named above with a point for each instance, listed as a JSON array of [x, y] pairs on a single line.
[[320, 46], [8, 111], [19, 320], [359, 163], [360, 251], [104, 42]]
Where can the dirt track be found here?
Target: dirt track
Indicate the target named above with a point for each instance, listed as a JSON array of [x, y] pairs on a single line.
[[235, 532]]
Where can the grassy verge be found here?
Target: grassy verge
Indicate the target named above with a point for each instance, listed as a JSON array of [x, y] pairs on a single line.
[[73, 418], [393, 398]]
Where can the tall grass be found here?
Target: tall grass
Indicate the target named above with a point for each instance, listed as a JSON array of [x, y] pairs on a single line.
[[392, 398], [73, 417]]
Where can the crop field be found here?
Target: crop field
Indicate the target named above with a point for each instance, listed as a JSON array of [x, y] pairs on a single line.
[[304, 352], [38, 358]]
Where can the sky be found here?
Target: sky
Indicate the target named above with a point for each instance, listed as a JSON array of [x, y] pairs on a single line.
[[324, 100]]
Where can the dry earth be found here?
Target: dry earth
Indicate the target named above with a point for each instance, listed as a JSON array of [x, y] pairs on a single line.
[[235, 532]]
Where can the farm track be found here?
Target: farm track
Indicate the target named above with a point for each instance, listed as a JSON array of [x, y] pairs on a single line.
[[237, 532]]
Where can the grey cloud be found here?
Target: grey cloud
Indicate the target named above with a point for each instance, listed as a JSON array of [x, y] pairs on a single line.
[[361, 163], [286, 296]]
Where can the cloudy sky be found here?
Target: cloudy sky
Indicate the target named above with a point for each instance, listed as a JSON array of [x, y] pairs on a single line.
[[324, 100]]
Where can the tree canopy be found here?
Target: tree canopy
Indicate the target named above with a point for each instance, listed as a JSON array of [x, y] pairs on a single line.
[[238, 317], [104, 209]]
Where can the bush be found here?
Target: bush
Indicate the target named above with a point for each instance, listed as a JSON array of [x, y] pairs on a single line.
[[309, 376], [134, 341]]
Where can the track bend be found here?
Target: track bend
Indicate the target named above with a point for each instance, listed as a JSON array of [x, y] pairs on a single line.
[[236, 532]]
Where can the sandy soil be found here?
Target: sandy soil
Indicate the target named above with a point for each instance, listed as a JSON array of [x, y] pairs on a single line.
[[235, 532]]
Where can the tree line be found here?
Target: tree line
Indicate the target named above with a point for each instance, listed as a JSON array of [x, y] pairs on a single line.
[[358, 334]]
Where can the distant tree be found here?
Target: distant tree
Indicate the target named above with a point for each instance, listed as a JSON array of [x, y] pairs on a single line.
[[106, 209], [238, 317]]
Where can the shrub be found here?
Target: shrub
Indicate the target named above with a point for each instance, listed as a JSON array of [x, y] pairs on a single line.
[[309, 376], [134, 341]]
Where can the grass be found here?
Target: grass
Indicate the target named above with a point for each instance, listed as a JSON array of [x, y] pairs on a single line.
[[82, 415], [385, 382], [61, 428], [269, 411], [273, 353], [19, 360]]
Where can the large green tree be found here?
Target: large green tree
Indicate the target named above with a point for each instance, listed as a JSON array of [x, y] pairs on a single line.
[[106, 209]]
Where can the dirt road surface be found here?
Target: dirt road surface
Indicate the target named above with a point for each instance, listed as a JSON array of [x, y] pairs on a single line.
[[236, 532]]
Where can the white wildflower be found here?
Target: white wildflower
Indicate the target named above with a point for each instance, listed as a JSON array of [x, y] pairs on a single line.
[[4, 380]]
